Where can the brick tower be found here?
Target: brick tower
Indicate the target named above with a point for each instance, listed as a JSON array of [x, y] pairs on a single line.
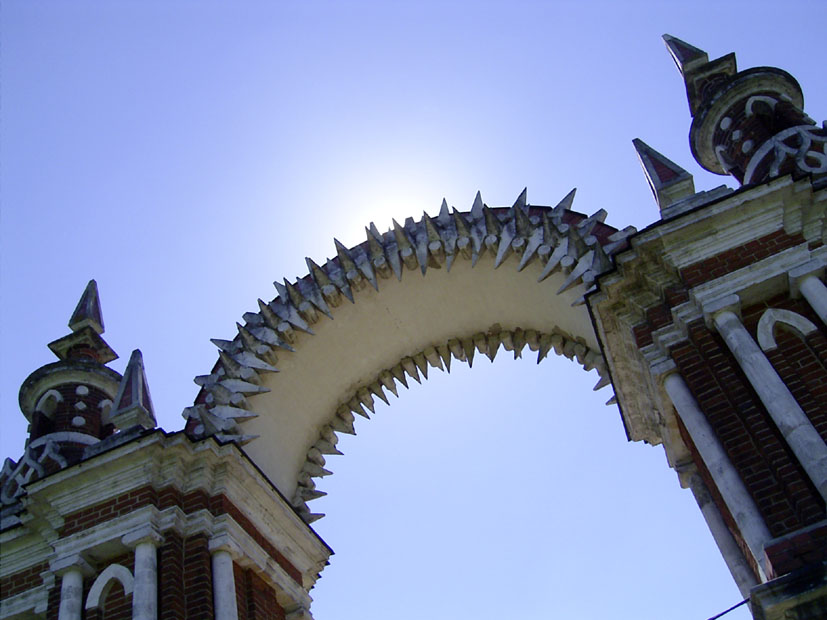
[[723, 302], [107, 517]]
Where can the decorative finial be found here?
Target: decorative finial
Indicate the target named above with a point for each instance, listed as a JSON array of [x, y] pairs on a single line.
[[88, 310], [86, 323], [748, 124], [667, 180], [133, 406]]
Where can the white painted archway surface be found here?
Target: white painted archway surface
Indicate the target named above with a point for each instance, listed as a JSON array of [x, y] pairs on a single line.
[[420, 313]]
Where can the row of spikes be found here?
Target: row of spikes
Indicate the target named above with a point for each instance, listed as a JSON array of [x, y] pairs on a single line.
[[415, 367], [561, 239]]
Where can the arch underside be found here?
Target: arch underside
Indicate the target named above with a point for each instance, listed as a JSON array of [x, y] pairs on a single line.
[[380, 314]]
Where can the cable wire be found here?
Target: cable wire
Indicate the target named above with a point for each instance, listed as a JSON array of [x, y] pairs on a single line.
[[725, 612]]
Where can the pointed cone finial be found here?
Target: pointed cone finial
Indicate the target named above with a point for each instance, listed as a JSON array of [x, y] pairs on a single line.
[[668, 181], [88, 310], [687, 57], [133, 405]]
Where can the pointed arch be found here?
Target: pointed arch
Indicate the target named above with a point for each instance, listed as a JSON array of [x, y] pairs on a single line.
[[772, 317], [447, 287], [104, 582]]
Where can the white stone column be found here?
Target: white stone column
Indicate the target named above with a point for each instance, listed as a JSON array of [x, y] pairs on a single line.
[[145, 586], [223, 585], [71, 595], [71, 570], [789, 417], [814, 291], [729, 484], [737, 564]]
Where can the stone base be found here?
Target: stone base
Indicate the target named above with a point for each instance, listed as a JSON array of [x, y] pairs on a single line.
[[800, 595]]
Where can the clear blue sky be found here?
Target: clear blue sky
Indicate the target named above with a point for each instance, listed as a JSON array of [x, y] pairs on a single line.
[[187, 154]]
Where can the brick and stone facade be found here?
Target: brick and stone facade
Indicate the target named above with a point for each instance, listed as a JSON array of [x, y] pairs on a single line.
[[710, 325]]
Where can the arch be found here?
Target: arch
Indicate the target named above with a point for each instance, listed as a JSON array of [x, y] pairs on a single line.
[[774, 316], [100, 588], [292, 378], [48, 403]]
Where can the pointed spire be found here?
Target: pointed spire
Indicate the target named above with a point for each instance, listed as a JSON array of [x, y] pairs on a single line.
[[133, 406], [667, 180], [86, 323], [687, 57], [88, 310]]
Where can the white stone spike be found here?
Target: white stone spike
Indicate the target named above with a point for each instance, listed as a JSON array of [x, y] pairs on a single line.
[[409, 366], [480, 343], [518, 342], [308, 288], [253, 319], [445, 355], [250, 360], [407, 252], [254, 345], [554, 261], [421, 364], [558, 343], [592, 360], [312, 517], [455, 347], [329, 290], [314, 470], [207, 380], [273, 321], [399, 374], [476, 207], [568, 200], [377, 252], [228, 412], [392, 252], [228, 346], [325, 447], [433, 357], [521, 202], [376, 389], [469, 350], [218, 394], [243, 387], [364, 397], [545, 347], [356, 407], [343, 425], [328, 434], [308, 495], [603, 382], [506, 237], [297, 299], [386, 379], [583, 265], [612, 400], [532, 339], [506, 339], [314, 456], [365, 267], [338, 278], [586, 225], [492, 343], [236, 370], [290, 313], [421, 237], [271, 337], [533, 243]]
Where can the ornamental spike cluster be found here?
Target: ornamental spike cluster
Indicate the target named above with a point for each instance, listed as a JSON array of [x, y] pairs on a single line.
[[558, 239]]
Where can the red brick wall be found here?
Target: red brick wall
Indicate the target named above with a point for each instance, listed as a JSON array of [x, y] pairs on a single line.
[[737, 258], [197, 582], [260, 599], [23, 580], [771, 473], [171, 578], [168, 497]]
